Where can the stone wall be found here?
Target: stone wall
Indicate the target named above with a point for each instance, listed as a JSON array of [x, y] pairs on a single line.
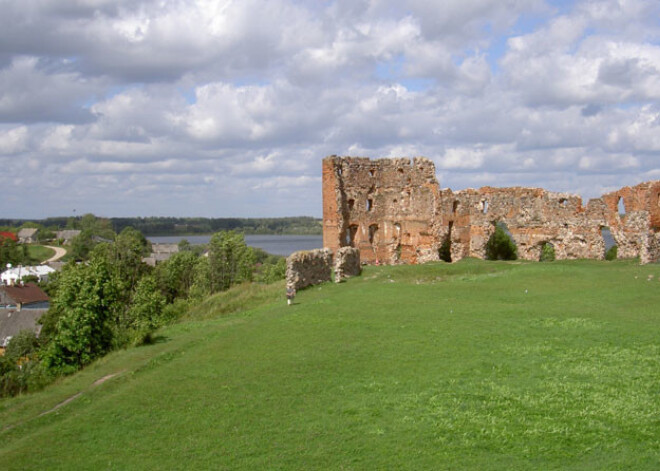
[[394, 211], [308, 267], [347, 263]]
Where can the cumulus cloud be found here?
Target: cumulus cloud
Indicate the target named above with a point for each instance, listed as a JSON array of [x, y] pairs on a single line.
[[225, 108]]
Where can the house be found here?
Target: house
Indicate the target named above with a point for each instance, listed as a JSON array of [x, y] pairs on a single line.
[[23, 297], [27, 235], [67, 235], [13, 321], [8, 235], [160, 253], [13, 276]]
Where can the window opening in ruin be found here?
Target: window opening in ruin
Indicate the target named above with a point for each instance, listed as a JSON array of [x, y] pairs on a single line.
[[370, 204], [339, 170], [484, 206], [611, 248], [395, 201], [373, 229], [371, 172], [397, 226], [444, 252], [400, 170], [398, 251], [455, 206], [659, 200], [563, 202], [351, 232], [621, 207], [351, 203]]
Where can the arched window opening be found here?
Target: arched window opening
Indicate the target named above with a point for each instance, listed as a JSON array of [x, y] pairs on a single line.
[[563, 202], [621, 207], [351, 204], [371, 172], [370, 204], [455, 206], [484, 206]]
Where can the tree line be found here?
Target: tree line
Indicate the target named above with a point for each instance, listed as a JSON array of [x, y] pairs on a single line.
[[164, 226]]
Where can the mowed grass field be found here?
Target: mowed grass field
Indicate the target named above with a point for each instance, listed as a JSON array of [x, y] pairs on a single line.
[[475, 365]]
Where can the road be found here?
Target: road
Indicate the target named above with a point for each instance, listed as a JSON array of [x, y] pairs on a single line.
[[59, 253]]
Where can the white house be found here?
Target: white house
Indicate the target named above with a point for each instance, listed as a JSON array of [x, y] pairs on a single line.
[[13, 275]]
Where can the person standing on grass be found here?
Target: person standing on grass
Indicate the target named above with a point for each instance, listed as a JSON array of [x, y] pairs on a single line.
[[290, 294]]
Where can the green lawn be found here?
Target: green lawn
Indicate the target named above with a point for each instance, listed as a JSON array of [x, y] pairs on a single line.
[[39, 253], [475, 365]]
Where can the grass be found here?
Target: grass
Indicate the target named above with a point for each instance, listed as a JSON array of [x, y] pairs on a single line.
[[39, 253], [474, 365]]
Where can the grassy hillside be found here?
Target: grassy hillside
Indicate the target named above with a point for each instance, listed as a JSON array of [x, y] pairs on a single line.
[[476, 365]]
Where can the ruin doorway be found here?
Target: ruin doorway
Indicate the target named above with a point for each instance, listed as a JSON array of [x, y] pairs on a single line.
[[611, 248], [444, 252], [501, 245]]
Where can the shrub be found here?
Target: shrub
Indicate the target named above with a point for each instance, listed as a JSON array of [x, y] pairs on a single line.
[[547, 253], [500, 246], [612, 253]]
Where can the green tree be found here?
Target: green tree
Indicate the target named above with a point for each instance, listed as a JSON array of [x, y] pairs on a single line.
[[500, 246], [231, 260], [24, 344], [177, 275], [85, 300], [146, 311]]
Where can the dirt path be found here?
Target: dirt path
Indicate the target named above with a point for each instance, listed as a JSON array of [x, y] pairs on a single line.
[[66, 401], [59, 253]]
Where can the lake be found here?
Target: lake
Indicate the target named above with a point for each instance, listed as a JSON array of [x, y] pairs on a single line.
[[274, 244]]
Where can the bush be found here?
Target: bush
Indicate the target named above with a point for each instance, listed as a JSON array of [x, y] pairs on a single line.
[[612, 253], [547, 253], [500, 246]]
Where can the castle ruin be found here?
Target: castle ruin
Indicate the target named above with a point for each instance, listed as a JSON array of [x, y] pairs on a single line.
[[394, 211]]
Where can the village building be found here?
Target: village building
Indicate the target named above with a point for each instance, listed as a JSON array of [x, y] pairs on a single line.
[[67, 235], [160, 253], [13, 321], [13, 276], [27, 235], [23, 297]]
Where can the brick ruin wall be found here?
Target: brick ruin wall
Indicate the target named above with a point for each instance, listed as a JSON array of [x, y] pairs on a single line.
[[394, 211]]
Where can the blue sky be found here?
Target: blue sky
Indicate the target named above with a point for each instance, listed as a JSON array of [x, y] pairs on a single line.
[[226, 108]]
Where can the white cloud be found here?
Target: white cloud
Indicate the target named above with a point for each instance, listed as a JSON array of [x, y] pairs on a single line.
[[228, 107]]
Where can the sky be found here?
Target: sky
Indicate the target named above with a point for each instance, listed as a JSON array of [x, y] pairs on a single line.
[[226, 108]]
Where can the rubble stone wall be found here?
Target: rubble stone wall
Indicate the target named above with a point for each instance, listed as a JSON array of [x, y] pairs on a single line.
[[308, 267], [347, 263], [394, 211]]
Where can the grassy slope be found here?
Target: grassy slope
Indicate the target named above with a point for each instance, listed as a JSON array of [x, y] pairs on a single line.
[[428, 367]]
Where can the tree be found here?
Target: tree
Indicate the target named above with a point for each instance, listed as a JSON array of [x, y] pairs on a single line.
[[500, 246], [231, 260], [84, 304], [147, 309], [177, 275]]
